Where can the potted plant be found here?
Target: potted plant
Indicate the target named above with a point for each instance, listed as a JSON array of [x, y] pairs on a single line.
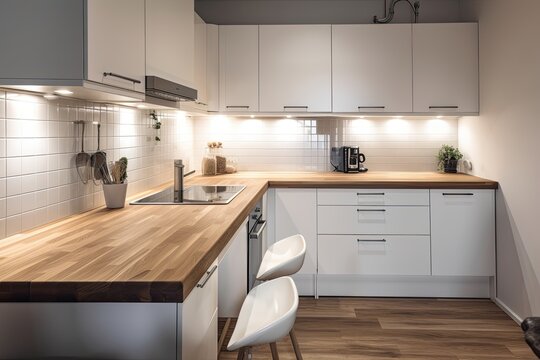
[[448, 158], [115, 185]]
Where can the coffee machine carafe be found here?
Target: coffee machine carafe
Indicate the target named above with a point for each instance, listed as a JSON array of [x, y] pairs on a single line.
[[348, 159]]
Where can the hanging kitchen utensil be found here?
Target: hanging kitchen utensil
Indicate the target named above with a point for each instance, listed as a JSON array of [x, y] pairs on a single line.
[[82, 160], [99, 161]]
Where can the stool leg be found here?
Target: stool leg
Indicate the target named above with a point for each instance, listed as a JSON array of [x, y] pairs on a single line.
[[241, 353], [273, 347], [295, 345], [224, 334]]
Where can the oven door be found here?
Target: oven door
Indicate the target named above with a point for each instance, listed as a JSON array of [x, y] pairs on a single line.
[[256, 249]]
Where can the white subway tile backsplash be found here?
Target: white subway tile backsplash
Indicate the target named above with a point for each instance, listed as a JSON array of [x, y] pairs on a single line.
[[13, 225], [13, 186], [13, 205]]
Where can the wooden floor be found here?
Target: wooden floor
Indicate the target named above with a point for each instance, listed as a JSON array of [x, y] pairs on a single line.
[[362, 328]]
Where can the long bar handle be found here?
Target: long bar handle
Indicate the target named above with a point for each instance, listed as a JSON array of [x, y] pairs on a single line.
[[444, 107], [372, 107], [363, 194], [257, 235], [371, 240], [209, 274], [237, 106], [296, 107], [135, 81], [458, 194], [370, 210]]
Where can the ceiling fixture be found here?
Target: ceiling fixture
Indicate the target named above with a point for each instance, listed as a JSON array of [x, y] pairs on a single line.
[[50, 96], [63, 92], [391, 11]]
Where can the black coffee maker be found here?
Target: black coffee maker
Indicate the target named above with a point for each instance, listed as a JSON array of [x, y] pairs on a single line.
[[347, 159]]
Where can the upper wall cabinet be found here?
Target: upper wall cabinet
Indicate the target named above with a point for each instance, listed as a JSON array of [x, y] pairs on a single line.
[[372, 68], [94, 48], [445, 68], [295, 68], [170, 40], [200, 73], [239, 68]]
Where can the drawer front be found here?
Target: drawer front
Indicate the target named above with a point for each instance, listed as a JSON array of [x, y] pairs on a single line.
[[374, 255], [397, 220], [373, 197]]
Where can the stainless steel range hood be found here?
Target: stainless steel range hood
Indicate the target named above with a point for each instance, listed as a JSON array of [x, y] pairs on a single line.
[[163, 92]]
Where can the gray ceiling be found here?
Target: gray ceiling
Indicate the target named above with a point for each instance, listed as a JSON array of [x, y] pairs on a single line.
[[319, 11]]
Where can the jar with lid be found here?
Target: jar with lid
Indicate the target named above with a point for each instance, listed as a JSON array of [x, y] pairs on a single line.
[[208, 166]]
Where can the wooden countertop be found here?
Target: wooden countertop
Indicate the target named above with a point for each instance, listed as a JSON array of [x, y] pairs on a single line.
[[158, 253]]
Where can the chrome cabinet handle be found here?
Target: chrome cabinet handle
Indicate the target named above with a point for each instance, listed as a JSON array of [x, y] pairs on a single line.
[[208, 276], [444, 107], [370, 210], [372, 107], [295, 107], [135, 81], [458, 194], [258, 234], [237, 106], [363, 194], [371, 240]]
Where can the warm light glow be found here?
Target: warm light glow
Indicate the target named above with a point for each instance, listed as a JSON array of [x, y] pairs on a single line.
[[288, 116], [64, 92], [362, 126], [438, 126], [12, 95], [50, 96], [398, 126], [439, 117], [252, 116], [142, 106]]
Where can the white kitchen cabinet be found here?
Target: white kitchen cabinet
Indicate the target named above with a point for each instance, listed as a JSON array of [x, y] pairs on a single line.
[[239, 68], [463, 232], [170, 40], [296, 213], [374, 255], [372, 68], [198, 319], [233, 276], [116, 46], [397, 220], [445, 68], [200, 73], [295, 71]]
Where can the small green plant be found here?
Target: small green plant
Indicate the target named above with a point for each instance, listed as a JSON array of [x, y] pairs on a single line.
[[447, 154], [156, 124]]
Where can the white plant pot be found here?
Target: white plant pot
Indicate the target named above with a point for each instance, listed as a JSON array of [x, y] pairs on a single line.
[[115, 195]]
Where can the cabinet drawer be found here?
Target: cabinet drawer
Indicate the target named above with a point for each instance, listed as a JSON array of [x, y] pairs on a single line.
[[373, 197], [398, 220], [374, 255]]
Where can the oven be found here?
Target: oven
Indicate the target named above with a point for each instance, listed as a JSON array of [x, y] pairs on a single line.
[[256, 242]]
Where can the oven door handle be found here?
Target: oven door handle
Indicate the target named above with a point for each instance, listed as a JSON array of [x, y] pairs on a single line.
[[257, 235]]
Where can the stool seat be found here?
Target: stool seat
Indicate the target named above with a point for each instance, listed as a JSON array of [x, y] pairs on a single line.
[[267, 314], [283, 258], [531, 327]]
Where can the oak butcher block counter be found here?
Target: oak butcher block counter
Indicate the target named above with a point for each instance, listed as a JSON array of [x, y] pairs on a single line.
[[157, 253]]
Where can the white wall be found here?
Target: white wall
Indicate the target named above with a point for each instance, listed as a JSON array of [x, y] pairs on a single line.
[[38, 144], [390, 144], [503, 141]]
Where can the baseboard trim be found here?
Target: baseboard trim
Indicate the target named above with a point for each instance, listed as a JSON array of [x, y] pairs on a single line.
[[508, 311]]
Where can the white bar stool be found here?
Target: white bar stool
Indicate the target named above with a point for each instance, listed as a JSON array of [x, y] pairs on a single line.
[[283, 258], [267, 315]]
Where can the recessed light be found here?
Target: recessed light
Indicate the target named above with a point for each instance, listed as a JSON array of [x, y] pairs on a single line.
[[288, 116], [399, 117], [50, 96], [439, 117], [142, 106], [63, 92], [252, 116]]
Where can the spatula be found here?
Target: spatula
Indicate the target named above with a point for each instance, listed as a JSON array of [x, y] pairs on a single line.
[[82, 160], [99, 160]]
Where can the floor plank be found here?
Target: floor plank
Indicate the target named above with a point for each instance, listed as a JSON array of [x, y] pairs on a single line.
[[407, 329]]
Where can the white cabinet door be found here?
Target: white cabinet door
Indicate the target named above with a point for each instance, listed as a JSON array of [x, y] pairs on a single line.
[[463, 232], [115, 44], [212, 67], [372, 68], [374, 255], [200, 60], [445, 68], [197, 319], [239, 68], [295, 68], [170, 40], [397, 220], [296, 213], [233, 275]]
